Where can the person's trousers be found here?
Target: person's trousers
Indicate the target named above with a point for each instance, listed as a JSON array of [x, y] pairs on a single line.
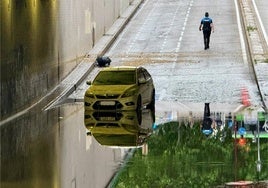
[[206, 38]]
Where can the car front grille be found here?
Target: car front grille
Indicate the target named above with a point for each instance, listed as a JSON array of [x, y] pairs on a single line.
[[107, 96], [110, 115], [116, 106]]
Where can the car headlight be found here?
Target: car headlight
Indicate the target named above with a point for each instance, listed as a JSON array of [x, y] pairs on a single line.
[[129, 93], [89, 95]]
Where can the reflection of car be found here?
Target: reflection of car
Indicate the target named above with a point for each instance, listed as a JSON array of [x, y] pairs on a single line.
[[124, 129], [120, 88]]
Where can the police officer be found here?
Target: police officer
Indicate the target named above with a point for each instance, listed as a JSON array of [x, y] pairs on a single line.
[[207, 26]]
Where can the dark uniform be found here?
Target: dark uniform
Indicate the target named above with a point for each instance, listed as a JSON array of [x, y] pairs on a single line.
[[206, 22], [207, 121]]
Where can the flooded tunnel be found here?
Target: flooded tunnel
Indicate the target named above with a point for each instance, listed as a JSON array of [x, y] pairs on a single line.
[[42, 41]]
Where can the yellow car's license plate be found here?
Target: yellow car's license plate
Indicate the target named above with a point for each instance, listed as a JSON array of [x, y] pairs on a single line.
[[107, 103], [107, 118]]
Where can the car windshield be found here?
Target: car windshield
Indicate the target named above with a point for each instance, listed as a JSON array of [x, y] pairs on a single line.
[[115, 78]]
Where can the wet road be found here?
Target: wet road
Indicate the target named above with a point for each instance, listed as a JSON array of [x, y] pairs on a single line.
[[263, 15], [261, 8], [174, 53], [51, 148], [170, 46]]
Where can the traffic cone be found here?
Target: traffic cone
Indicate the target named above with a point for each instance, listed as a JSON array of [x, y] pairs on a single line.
[[245, 97]]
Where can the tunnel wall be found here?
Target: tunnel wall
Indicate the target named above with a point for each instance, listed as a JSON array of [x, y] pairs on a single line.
[[43, 40]]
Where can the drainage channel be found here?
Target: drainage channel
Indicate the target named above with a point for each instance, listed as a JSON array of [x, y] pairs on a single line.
[[254, 45]]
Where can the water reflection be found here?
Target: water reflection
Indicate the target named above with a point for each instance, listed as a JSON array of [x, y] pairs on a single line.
[[180, 156], [47, 149], [51, 149], [30, 151], [123, 129]]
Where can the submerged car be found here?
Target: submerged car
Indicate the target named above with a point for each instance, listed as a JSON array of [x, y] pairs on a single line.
[[120, 88]]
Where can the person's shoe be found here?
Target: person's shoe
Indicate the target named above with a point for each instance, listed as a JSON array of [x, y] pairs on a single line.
[[205, 48]]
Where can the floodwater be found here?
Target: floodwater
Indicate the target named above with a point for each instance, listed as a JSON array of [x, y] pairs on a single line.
[[53, 149], [30, 150], [181, 156]]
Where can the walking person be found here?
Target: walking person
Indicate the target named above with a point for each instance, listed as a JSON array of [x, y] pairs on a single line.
[[207, 26]]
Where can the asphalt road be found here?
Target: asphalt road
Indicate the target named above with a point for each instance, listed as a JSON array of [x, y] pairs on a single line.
[[164, 38]]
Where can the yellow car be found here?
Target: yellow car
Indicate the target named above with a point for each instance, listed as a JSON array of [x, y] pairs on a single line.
[[120, 88]]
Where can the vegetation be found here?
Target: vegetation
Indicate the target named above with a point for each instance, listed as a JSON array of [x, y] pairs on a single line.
[[180, 156], [250, 28]]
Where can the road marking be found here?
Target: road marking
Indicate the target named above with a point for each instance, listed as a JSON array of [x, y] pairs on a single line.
[[260, 21], [127, 28], [143, 27], [169, 29], [163, 92], [184, 26], [243, 46]]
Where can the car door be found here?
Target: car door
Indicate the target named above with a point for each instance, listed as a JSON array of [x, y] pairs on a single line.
[[149, 83], [142, 86]]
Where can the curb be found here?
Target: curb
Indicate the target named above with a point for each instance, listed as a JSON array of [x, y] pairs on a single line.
[[82, 70], [110, 36], [254, 45]]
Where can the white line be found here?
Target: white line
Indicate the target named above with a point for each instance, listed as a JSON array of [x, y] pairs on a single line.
[[148, 18], [163, 92], [184, 26], [169, 29], [26, 109], [260, 21], [126, 29], [243, 46]]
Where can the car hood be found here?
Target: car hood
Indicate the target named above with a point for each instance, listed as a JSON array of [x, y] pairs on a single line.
[[112, 130], [114, 89], [115, 136], [121, 140]]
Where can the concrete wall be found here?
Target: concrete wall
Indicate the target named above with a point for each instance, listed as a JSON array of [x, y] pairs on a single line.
[[43, 40]]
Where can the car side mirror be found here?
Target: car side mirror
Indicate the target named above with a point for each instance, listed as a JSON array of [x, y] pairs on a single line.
[[88, 83], [142, 81], [89, 133]]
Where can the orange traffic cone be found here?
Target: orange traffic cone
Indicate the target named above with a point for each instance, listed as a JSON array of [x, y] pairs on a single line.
[[245, 97]]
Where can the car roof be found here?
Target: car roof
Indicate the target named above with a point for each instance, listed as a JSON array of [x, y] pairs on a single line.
[[121, 68]]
